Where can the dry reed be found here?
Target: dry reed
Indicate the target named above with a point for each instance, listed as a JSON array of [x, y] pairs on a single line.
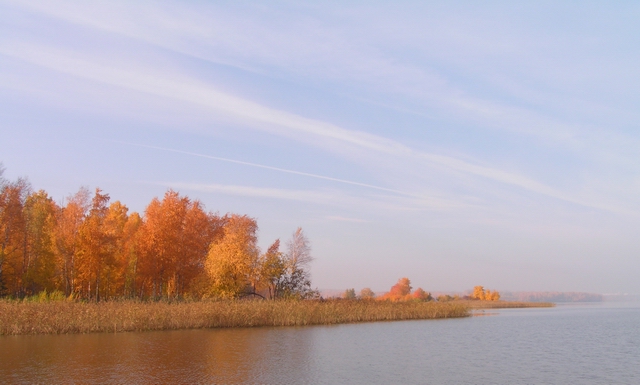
[[61, 317]]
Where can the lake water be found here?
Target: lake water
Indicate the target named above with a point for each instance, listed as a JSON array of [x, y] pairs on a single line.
[[569, 344]]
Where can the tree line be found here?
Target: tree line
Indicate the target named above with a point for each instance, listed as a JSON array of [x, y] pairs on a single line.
[[399, 292], [91, 248], [402, 291]]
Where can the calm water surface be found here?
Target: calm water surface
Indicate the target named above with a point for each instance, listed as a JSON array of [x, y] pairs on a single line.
[[571, 344]]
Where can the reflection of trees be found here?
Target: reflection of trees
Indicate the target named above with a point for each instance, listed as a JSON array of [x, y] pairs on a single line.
[[261, 355]]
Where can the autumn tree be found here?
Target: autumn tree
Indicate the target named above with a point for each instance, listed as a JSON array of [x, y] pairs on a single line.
[[400, 290], [480, 293], [201, 229], [232, 262], [492, 295], [367, 293], [96, 248], [66, 238], [173, 245], [273, 269], [13, 235], [128, 254], [39, 263], [114, 273], [421, 295]]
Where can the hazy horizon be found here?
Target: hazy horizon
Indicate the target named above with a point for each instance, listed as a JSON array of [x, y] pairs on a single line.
[[456, 144]]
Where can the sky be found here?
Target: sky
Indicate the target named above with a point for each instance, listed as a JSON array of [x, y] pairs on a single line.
[[454, 143]]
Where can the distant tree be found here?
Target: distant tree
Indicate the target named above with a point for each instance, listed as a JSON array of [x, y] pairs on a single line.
[[492, 295], [367, 293], [421, 295], [444, 298], [399, 292], [478, 293], [487, 295], [349, 294], [402, 288]]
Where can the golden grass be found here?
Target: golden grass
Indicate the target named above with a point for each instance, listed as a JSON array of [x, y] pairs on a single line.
[[475, 304], [61, 317]]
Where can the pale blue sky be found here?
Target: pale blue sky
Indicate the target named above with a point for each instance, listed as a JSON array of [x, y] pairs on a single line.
[[455, 143]]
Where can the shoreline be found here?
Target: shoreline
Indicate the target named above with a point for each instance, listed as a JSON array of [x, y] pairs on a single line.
[[67, 317], [478, 305], [70, 317]]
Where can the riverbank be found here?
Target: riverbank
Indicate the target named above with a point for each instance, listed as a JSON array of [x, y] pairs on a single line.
[[63, 317]]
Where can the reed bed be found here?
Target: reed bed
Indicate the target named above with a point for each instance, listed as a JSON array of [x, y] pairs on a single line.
[[475, 304], [62, 317]]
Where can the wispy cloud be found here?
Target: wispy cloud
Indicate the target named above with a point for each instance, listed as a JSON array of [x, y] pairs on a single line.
[[325, 197], [338, 218], [318, 197], [185, 89], [343, 54]]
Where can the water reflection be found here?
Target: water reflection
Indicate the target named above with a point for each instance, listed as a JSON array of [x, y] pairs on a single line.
[[563, 345], [201, 356]]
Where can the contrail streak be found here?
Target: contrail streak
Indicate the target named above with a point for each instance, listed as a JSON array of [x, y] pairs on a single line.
[[268, 167]]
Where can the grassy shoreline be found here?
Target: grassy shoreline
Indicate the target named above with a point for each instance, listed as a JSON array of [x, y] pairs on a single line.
[[64, 317]]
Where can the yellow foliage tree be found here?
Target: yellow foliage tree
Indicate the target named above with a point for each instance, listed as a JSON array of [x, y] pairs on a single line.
[[478, 293], [488, 295], [39, 262], [232, 262]]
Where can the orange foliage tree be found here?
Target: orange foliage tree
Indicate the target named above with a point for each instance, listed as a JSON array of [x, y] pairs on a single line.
[[401, 291], [95, 248], [66, 239], [92, 249], [13, 236], [173, 244]]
